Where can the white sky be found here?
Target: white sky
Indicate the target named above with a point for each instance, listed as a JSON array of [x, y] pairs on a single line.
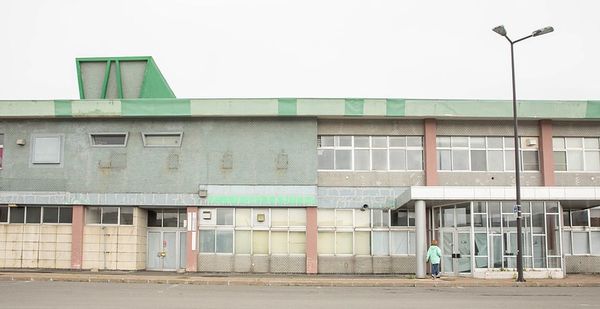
[[309, 48]]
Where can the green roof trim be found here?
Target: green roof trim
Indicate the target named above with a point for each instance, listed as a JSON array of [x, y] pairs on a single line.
[[320, 108], [154, 84]]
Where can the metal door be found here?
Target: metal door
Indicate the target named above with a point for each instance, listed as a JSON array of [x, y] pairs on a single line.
[[165, 250]]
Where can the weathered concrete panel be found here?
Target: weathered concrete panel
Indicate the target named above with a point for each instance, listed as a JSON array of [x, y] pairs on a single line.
[[384, 179], [578, 264], [577, 179], [369, 127], [576, 129], [485, 128], [488, 178]]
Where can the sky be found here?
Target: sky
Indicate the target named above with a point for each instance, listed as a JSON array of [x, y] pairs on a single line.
[[434, 49]]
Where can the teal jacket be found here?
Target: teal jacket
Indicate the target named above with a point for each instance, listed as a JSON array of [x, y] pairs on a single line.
[[434, 254]]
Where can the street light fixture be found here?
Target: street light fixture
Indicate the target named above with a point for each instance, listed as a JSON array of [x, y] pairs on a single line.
[[502, 31]]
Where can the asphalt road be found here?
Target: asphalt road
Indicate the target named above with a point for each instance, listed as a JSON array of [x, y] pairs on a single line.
[[22, 294]]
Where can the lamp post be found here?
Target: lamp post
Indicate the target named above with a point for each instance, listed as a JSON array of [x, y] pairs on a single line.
[[501, 31]]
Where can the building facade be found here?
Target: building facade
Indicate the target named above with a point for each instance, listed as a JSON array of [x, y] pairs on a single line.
[[129, 177]]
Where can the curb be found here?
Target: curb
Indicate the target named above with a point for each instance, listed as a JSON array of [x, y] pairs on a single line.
[[306, 282]]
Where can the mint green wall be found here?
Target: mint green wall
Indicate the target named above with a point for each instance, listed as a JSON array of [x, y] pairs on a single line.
[[254, 145]]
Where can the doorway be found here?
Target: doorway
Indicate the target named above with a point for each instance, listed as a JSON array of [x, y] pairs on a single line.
[[455, 239], [166, 250]]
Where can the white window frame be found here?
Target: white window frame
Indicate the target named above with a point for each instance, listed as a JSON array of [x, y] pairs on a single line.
[[568, 149], [118, 216], [178, 134], [93, 144]]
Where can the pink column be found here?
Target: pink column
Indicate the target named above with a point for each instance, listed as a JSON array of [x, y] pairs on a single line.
[[311, 240], [78, 222], [192, 240], [546, 154], [431, 175]]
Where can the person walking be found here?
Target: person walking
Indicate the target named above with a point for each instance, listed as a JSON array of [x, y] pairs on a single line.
[[434, 254]]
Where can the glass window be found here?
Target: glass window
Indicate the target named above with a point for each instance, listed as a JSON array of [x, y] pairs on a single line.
[[343, 159], [575, 160], [65, 215], [154, 218], [381, 243], [126, 216], [397, 159], [224, 216], [325, 159], [591, 143], [379, 142], [595, 218], [182, 217], [362, 218], [595, 235], [574, 142], [110, 215], [260, 243], [478, 142], [362, 160], [495, 160], [399, 242], [93, 215], [380, 159], [343, 243], [581, 243], [224, 241], [279, 217], [579, 218], [344, 141], [17, 215], [325, 217], [50, 215], [560, 160], [344, 218], [242, 242], [362, 242], [297, 216], [243, 217], [326, 141], [3, 214], [414, 160], [162, 139], [361, 141], [46, 150], [494, 142], [380, 218], [444, 160], [558, 143], [567, 242], [530, 161], [326, 243], [399, 141], [279, 242], [460, 141], [592, 160], [478, 162], [460, 160], [109, 139], [297, 242], [207, 241], [443, 141], [33, 214]]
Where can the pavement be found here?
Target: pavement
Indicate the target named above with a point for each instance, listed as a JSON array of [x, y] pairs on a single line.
[[286, 279]]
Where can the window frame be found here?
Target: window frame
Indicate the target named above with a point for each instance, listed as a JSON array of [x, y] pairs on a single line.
[[42, 209], [566, 149], [149, 133], [93, 144], [118, 216]]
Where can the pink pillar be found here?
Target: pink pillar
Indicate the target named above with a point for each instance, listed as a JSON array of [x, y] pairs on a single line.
[[546, 154], [311, 240], [192, 240], [431, 175], [78, 222]]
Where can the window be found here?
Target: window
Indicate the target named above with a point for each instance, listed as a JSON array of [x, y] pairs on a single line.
[[162, 139], [167, 217], [370, 153], [35, 214], [584, 230], [481, 153], [576, 153], [109, 215], [108, 139], [1, 149], [46, 149]]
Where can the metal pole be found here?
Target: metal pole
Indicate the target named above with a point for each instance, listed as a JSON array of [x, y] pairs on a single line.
[[517, 171]]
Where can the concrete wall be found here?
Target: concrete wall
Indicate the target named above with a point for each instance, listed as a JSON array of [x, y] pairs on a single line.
[[486, 128], [35, 245], [367, 265], [578, 264], [252, 145], [488, 178], [252, 263], [116, 247], [370, 127], [343, 197]]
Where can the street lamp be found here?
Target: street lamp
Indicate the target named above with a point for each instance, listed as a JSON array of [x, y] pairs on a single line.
[[502, 31]]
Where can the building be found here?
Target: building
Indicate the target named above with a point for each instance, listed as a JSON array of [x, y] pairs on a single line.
[[130, 177]]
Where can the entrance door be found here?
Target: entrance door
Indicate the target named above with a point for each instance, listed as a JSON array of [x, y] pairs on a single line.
[[455, 239], [165, 250]]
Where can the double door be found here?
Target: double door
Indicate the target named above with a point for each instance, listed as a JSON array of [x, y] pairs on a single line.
[[455, 239], [166, 249]]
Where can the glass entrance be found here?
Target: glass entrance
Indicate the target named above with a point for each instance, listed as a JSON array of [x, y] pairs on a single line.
[[454, 238]]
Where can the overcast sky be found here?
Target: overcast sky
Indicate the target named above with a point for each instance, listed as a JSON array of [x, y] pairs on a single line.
[[311, 48]]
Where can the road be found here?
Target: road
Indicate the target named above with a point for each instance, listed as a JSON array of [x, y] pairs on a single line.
[[23, 294]]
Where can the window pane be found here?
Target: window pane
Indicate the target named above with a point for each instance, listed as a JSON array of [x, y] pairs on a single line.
[[595, 242], [560, 160], [224, 216], [50, 215], [379, 142], [552, 207], [46, 150], [182, 217], [343, 141], [574, 142], [477, 142], [397, 141], [412, 242], [110, 215], [92, 215], [326, 141], [460, 160], [397, 159], [325, 217], [260, 242], [400, 217], [343, 218], [33, 214], [481, 247], [343, 159], [509, 160], [381, 243], [3, 214], [414, 141], [65, 215], [558, 143], [325, 158], [363, 219], [224, 241], [495, 160], [591, 143], [297, 242], [207, 241], [552, 234], [592, 160], [154, 217], [343, 243], [595, 218], [242, 242], [361, 160], [574, 160], [494, 142], [494, 211], [380, 218], [379, 157], [325, 243], [530, 161], [279, 217], [108, 139], [444, 160], [279, 243], [567, 242], [478, 162], [579, 218], [415, 159], [509, 142], [361, 141], [127, 216], [443, 141], [363, 243], [297, 217], [460, 141], [581, 243], [400, 242], [169, 217], [243, 217]]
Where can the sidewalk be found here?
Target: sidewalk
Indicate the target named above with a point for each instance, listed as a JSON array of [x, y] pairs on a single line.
[[286, 279]]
